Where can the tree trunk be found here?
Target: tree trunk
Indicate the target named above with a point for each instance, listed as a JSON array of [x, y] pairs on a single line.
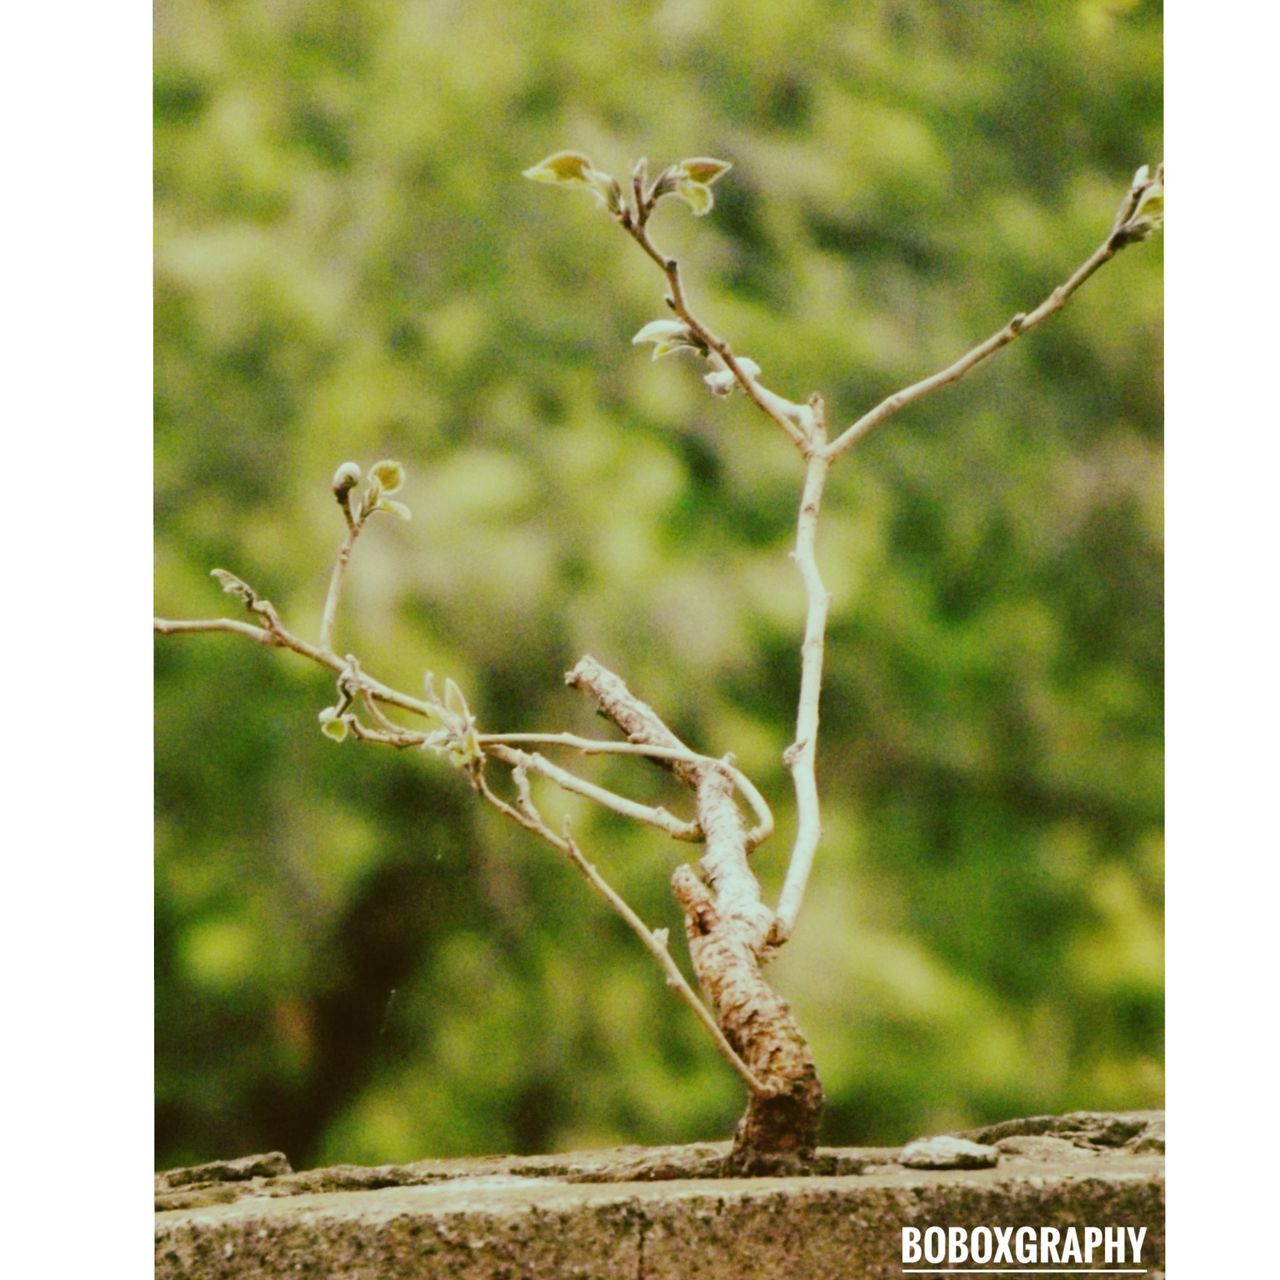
[[727, 926]]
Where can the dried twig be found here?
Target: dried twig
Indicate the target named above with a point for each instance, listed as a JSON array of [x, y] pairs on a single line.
[[658, 817], [655, 941], [673, 753]]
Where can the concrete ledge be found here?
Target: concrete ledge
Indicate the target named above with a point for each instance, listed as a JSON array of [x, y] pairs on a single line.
[[479, 1222]]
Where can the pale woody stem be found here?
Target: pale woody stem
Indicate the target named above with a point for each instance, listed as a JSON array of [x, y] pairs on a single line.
[[954, 372], [772, 405], [335, 588], [802, 755]]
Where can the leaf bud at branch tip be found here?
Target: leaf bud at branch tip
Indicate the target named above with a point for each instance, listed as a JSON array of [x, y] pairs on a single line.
[[667, 336], [1143, 211], [345, 479]]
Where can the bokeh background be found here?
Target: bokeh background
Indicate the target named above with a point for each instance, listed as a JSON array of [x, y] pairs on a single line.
[[354, 961]]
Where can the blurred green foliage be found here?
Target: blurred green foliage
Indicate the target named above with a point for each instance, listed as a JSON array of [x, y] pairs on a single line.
[[354, 962]]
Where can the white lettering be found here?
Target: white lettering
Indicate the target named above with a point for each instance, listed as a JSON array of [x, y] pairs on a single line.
[[1003, 1252], [935, 1244], [1071, 1246], [1115, 1244], [1049, 1237], [980, 1244], [911, 1244], [1136, 1236], [1027, 1244]]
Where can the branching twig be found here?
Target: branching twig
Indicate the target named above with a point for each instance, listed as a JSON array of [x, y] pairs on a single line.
[[658, 817], [731, 931], [675, 753], [282, 637], [354, 683], [1124, 231], [655, 941], [792, 418]]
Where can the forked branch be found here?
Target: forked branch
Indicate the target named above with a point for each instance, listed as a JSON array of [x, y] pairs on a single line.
[[731, 932]]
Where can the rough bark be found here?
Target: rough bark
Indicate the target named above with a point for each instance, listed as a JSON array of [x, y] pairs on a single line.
[[727, 926]]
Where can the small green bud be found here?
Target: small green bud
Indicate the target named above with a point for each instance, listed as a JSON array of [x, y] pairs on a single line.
[[1151, 204], [388, 474], [722, 381], [667, 336], [345, 479], [332, 725], [234, 587], [466, 752]]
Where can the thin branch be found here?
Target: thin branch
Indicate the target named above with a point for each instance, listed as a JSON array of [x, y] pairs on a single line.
[[653, 816], [1001, 338], [678, 754], [335, 580], [801, 756], [177, 626], [774, 406], [655, 941], [283, 638], [399, 738], [371, 706]]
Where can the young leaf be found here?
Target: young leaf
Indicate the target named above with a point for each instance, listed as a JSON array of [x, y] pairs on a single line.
[[703, 169], [454, 701], [396, 508], [332, 725], [666, 335], [1151, 204], [388, 474], [691, 181], [564, 168], [574, 169], [696, 195], [234, 587]]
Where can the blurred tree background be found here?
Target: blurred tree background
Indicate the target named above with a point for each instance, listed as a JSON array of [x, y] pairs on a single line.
[[356, 963]]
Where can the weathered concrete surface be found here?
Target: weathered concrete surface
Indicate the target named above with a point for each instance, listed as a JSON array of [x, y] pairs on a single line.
[[499, 1225]]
